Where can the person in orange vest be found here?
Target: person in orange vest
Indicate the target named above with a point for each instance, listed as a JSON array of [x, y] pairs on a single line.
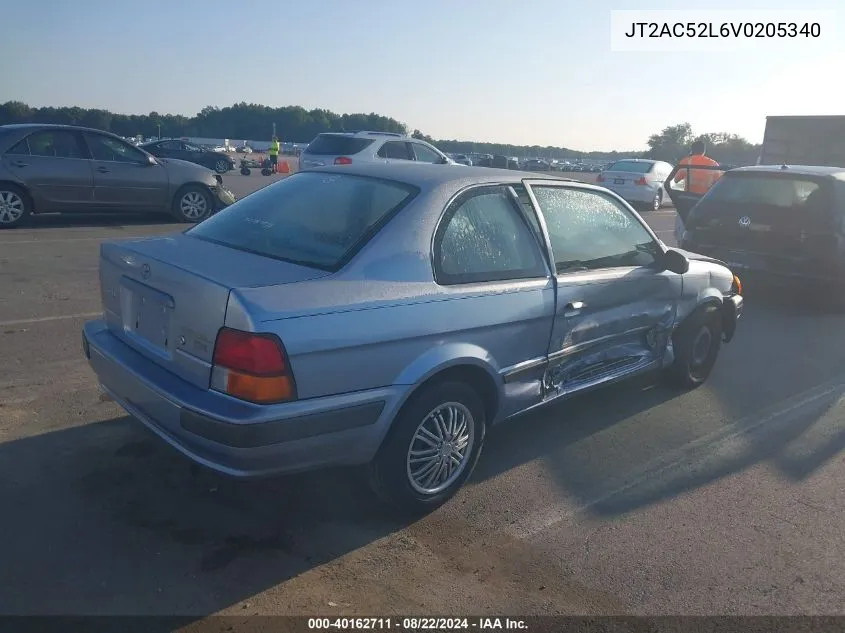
[[695, 180]]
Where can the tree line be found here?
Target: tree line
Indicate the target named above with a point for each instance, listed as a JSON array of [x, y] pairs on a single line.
[[249, 121]]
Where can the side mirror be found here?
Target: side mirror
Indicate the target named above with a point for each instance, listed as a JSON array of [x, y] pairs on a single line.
[[675, 262], [150, 162]]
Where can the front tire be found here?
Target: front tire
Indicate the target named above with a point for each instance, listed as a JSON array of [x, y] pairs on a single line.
[[192, 204], [696, 344], [221, 166], [432, 448], [15, 206]]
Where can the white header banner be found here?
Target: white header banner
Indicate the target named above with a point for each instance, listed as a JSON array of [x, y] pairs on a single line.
[[721, 30]]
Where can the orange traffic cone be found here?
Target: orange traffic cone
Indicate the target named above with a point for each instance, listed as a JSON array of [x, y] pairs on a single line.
[[284, 168]]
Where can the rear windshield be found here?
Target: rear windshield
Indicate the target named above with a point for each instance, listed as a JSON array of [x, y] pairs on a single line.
[[632, 166], [335, 145], [311, 218], [774, 191]]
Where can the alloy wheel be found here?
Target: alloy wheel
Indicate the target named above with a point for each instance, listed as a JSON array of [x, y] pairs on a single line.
[[440, 448]]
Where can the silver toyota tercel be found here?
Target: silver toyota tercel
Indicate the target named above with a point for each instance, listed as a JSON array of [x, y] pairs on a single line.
[[390, 315]]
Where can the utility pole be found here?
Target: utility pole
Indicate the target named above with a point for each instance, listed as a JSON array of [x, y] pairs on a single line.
[[159, 131]]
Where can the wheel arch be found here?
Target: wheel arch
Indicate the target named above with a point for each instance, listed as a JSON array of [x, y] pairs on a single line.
[[462, 363]]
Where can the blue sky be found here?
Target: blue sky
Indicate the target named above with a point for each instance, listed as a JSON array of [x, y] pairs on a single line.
[[534, 71]]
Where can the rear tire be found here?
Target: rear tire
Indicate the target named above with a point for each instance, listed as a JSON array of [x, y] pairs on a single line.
[[696, 344], [15, 206], [440, 428], [192, 204]]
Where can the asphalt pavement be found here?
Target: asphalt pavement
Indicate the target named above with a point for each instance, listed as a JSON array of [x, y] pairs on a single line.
[[639, 500]]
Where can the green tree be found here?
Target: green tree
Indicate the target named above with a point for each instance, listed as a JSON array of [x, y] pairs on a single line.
[[670, 144]]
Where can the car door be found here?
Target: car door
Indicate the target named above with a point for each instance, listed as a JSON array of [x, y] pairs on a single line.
[[615, 305], [676, 185], [493, 271], [166, 149], [393, 151], [124, 178], [193, 154], [53, 165]]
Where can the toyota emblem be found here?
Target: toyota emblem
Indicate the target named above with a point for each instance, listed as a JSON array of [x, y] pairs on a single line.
[[745, 221], [145, 271]]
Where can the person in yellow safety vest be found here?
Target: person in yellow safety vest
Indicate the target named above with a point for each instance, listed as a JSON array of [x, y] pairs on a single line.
[[274, 154]]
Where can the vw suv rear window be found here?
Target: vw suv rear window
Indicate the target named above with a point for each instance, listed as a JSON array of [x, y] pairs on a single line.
[[632, 166], [336, 144], [775, 191], [311, 218]]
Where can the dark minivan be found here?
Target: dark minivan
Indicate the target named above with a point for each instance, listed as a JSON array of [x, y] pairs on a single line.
[[781, 222]]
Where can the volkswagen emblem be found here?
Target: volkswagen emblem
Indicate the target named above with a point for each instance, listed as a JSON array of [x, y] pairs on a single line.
[[745, 221], [145, 270]]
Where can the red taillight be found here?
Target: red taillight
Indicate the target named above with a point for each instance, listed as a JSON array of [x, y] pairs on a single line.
[[251, 367], [600, 178], [342, 160], [641, 181]]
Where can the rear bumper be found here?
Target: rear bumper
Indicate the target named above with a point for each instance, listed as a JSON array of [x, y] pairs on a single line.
[[637, 193], [731, 311], [233, 437]]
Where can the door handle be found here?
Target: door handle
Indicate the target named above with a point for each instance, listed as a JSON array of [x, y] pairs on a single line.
[[102, 170], [573, 307], [20, 163]]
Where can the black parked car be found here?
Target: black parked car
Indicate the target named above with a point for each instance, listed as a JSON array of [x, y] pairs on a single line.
[[778, 222], [182, 150]]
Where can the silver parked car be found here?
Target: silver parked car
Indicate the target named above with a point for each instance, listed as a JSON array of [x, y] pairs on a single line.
[[390, 314], [639, 181], [348, 148], [61, 168]]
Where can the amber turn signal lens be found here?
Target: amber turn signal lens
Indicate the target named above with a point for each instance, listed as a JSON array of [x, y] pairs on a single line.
[[261, 389], [737, 286]]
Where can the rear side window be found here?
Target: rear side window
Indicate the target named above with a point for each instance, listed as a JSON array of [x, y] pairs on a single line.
[[52, 144], [775, 191], [314, 219], [632, 166], [335, 145]]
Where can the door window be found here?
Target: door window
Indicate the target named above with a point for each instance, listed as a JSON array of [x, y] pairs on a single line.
[[110, 149], [51, 143], [426, 154], [396, 150], [590, 230], [172, 146], [483, 238]]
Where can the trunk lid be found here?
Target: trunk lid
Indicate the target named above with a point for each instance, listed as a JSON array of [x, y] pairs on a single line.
[[166, 297], [788, 238]]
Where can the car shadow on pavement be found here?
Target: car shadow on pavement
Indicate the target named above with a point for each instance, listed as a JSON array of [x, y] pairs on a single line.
[[98, 220], [775, 398], [157, 535]]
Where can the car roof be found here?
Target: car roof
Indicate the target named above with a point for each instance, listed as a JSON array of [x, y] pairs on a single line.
[[51, 126], [802, 170], [444, 177], [366, 134]]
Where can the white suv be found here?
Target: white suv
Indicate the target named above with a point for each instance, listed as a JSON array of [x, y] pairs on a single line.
[[345, 148]]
